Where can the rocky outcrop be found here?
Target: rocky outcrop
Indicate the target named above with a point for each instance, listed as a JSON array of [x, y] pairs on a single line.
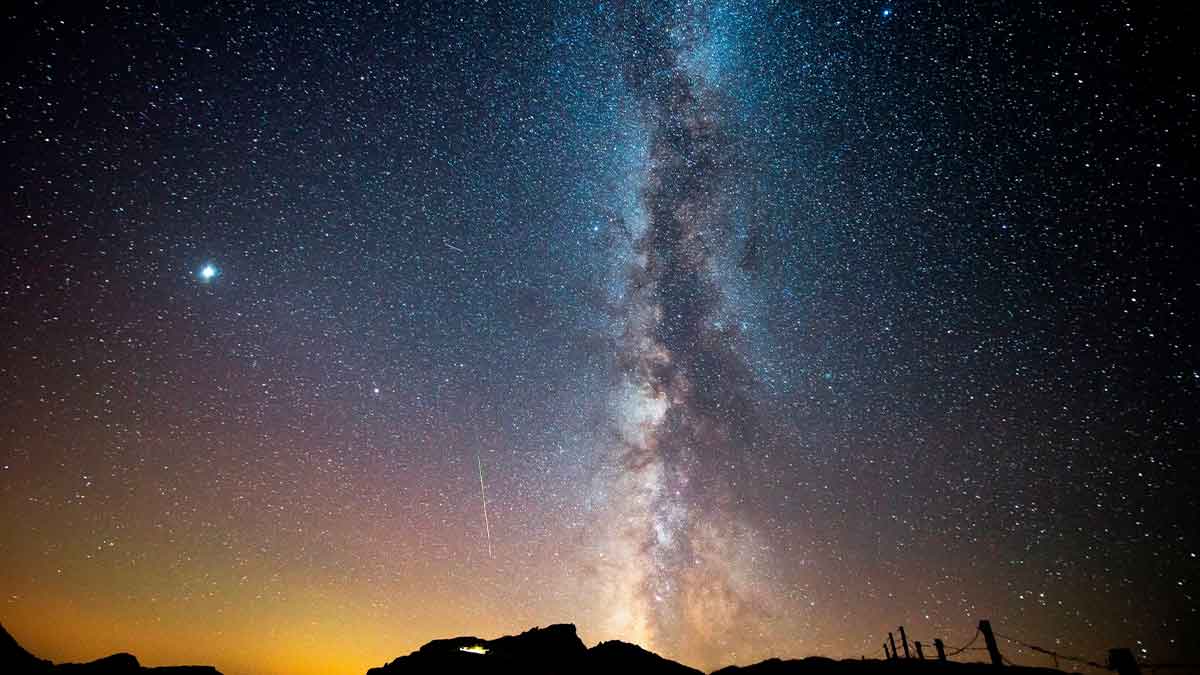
[[552, 650], [621, 657], [14, 660]]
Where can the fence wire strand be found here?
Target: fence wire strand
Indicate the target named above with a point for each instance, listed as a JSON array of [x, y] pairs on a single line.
[[1050, 652], [956, 652], [1058, 655]]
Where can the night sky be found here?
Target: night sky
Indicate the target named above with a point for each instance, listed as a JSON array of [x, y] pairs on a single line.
[[764, 327]]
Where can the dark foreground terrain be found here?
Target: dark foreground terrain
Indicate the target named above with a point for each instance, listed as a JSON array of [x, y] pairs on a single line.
[[14, 660], [557, 649], [816, 665], [553, 650]]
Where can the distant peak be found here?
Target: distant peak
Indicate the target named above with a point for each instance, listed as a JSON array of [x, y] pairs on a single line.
[[538, 651]]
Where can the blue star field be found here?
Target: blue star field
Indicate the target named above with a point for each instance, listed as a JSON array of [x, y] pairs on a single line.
[[763, 328]]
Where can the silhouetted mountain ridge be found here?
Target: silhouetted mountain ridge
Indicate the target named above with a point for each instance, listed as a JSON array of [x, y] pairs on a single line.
[[557, 650], [15, 660], [616, 656], [553, 650], [539, 651]]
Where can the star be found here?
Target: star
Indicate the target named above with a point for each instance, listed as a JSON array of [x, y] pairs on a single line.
[[208, 272]]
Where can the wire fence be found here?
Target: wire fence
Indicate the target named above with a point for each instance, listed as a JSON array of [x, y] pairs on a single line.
[[1056, 655], [956, 652]]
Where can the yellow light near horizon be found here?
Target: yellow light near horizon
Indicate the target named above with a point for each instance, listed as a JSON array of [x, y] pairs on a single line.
[[474, 649]]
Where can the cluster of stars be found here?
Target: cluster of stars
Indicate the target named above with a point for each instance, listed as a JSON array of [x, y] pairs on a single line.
[[860, 314]]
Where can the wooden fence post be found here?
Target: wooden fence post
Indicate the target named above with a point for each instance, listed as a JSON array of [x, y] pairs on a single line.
[[1122, 661], [893, 641], [920, 654], [886, 654], [985, 627], [941, 649], [904, 641]]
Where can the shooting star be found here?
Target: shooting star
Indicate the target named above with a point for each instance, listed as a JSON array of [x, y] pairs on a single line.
[[483, 495], [452, 247]]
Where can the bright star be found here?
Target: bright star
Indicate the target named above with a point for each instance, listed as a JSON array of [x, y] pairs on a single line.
[[208, 272], [887, 11]]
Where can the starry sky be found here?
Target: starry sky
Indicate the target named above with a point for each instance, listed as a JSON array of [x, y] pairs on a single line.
[[761, 328]]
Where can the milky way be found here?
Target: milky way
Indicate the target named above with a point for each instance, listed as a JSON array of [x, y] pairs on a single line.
[[682, 398]]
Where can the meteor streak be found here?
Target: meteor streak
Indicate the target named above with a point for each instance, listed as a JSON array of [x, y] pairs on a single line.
[[483, 495]]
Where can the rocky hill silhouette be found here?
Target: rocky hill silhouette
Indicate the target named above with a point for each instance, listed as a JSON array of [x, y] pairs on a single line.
[[558, 650], [15, 660], [552, 650]]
